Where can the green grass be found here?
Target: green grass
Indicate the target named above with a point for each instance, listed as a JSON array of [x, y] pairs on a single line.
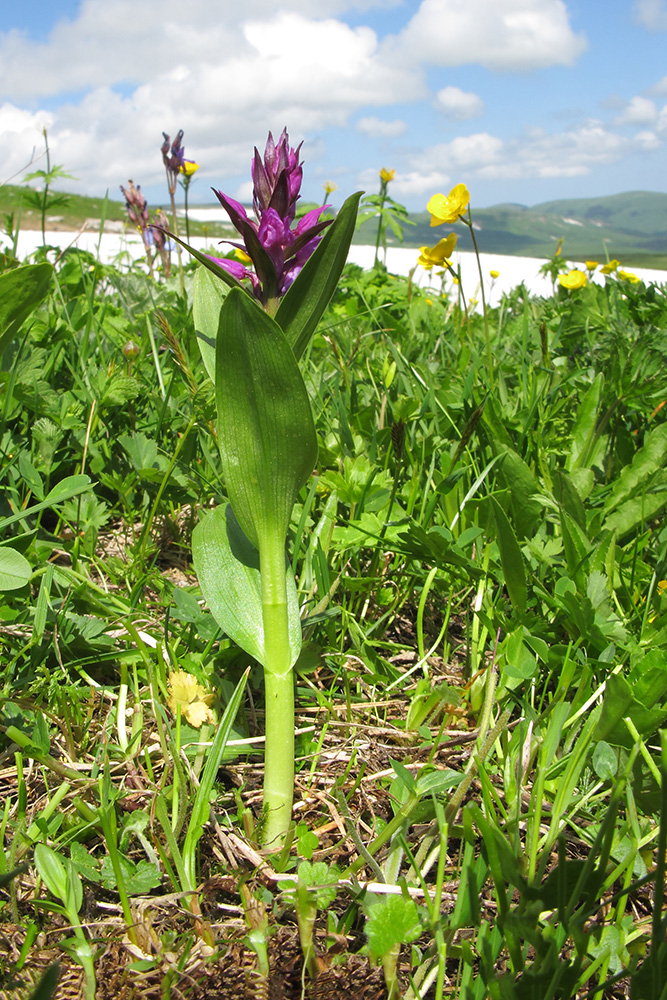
[[481, 560]]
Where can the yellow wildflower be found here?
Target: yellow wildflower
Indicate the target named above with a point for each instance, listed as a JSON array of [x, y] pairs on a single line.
[[429, 302], [186, 691], [591, 264], [387, 175], [329, 186], [573, 279], [628, 276], [610, 267], [494, 274], [662, 587], [436, 256], [448, 209], [242, 256], [189, 167]]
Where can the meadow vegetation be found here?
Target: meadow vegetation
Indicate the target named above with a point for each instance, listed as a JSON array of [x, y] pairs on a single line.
[[480, 560]]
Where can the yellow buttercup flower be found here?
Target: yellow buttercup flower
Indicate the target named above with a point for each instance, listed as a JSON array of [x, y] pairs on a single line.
[[494, 274], [573, 279], [189, 167], [329, 186], [628, 276], [591, 264], [448, 209], [387, 175], [186, 691], [610, 267], [662, 587], [242, 256], [436, 256]]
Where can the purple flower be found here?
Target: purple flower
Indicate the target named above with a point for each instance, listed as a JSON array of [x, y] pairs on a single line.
[[173, 159], [136, 205], [278, 251]]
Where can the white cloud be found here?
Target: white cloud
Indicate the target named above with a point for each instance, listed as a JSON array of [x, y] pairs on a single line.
[[652, 14], [376, 128], [21, 138], [638, 111], [459, 104], [535, 153], [514, 35]]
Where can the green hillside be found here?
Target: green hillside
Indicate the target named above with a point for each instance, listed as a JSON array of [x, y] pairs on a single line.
[[631, 227]]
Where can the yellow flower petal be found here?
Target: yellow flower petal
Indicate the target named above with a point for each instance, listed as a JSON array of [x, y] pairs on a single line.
[[628, 276], [242, 256], [573, 279], [387, 175], [494, 274], [436, 256], [448, 209], [610, 267], [186, 693], [591, 264]]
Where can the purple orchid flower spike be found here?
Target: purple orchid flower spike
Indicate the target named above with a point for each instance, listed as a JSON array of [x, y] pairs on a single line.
[[277, 251], [173, 159]]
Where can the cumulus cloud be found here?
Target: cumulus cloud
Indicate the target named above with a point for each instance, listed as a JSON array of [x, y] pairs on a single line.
[[652, 14], [376, 128], [638, 111], [515, 35], [535, 153], [459, 104]]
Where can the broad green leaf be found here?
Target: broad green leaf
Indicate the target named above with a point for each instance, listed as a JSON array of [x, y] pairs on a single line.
[[642, 695], [266, 432], [511, 558], [305, 301], [227, 566], [650, 458], [522, 486], [51, 868], [576, 545], [15, 570], [391, 921], [567, 495], [207, 300], [583, 435], [635, 511], [21, 291]]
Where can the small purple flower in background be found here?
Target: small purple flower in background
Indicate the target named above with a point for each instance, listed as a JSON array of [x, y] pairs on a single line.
[[136, 205], [277, 251], [173, 159], [137, 213]]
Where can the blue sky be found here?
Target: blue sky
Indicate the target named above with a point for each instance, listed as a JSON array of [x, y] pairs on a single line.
[[524, 100]]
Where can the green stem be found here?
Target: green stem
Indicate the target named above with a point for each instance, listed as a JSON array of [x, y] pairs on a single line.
[[279, 693]]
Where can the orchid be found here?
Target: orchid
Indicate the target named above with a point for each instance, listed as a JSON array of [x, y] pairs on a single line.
[[448, 209], [137, 213], [173, 159], [277, 250], [251, 339]]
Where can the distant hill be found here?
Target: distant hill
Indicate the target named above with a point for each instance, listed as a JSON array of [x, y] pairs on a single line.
[[631, 227]]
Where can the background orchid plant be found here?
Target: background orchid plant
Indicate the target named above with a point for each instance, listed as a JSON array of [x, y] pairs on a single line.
[[252, 326]]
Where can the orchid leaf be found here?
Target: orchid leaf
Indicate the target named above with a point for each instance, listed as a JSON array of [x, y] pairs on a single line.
[[265, 424], [21, 291], [208, 297], [306, 299], [227, 566], [204, 259]]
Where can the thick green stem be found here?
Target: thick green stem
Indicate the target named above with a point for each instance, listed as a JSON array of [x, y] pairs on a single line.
[[279, 689]]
